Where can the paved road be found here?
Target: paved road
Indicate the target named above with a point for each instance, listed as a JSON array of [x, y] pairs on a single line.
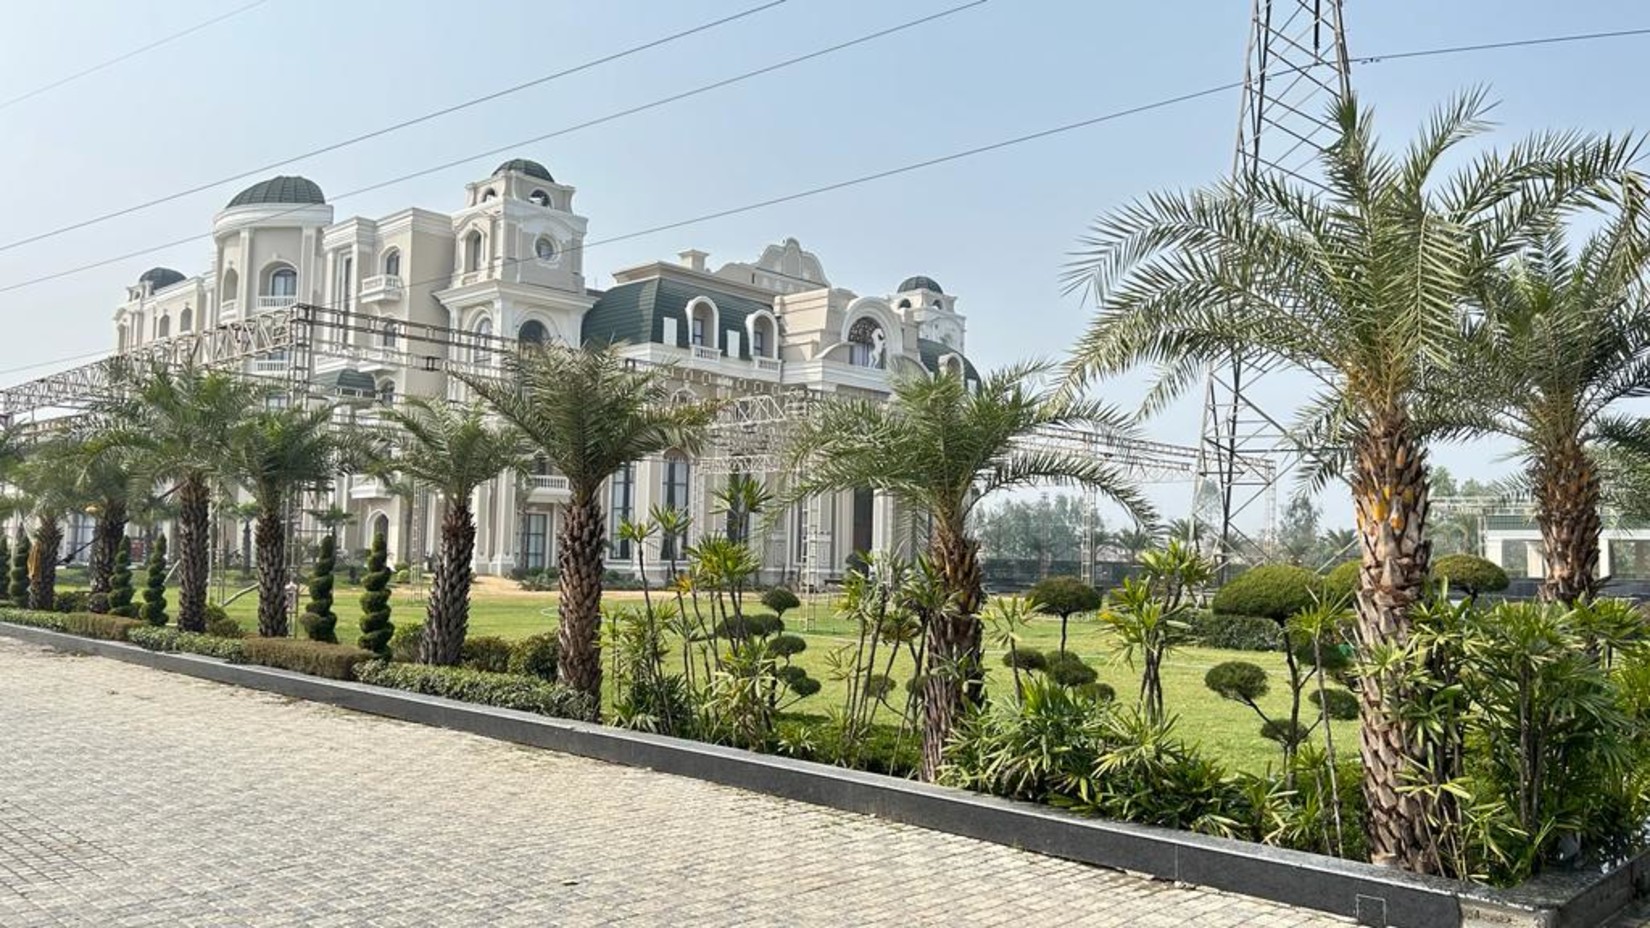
[[131, 797]]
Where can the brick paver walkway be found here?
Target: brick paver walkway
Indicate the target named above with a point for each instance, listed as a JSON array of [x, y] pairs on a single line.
[[132, 797]]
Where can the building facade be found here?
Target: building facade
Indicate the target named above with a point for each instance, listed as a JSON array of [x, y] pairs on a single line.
[[509, 265]]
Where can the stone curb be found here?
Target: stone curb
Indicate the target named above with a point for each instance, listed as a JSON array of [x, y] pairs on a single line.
[[1371, 895]]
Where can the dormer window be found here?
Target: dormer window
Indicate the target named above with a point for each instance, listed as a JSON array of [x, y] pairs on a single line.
[[539, 197], [866, 343]]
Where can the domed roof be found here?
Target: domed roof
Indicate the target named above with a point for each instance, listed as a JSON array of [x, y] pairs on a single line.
[[920, 283], [281, 189], [530, 168], [159, 277]]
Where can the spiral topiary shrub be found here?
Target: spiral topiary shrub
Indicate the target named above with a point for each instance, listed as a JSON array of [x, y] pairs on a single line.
[[1271, 591], [376, 627], [319, 621], [121, 592], [153, 610], [17, 585]]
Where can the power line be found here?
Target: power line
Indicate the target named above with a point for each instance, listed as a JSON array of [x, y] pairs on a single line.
[[129, 55], [394, 127], [1496, 46], [565, 130]]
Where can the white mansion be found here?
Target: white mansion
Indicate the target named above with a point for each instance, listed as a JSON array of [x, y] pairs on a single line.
[[509, 263]]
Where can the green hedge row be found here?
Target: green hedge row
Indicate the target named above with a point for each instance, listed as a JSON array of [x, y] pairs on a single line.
[[504, 690], [166, 638], [104, 627], [317, 658]]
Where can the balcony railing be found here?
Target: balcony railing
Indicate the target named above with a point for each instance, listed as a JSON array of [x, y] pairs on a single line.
[[706, 353], [229, 308], [383, 288], [767, 365], [548, 482], [369, 488], [277, 301]]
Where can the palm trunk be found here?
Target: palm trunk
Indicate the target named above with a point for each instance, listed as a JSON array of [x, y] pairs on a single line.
[[954, 679], [1389, 490], [448, 614], [48, 538], [194, 554], [106, 536], [582, 539], [271, 540], [1567, 501]]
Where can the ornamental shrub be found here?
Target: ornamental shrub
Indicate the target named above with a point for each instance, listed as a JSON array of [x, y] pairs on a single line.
[[504, 690], [153, 610], [1025, 659], [536, 656], [1239, 681], [1343, 706], [404, 642], [147, 636], [93, 625], [1236, 632], [17, 588], [1469, 573], [1069, 670], [1341, 583], [376, 627], [72, 601], [319, 621], [319, 658], [1272, 591], [220, 625], [1063, 597], [787, 646], [488, 653], [121, 592], [780, 600]]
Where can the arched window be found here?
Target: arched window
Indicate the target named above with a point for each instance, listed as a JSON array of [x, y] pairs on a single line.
[[482, 340], [186, 320], [489, 194], [533, 332], [472, 250], [539, 197], [231, 287], [380, 526], [620, 508], [702, 329], [904, 304], [163, 327], [866, 343], [122, 337], [283, 281], [386, 393], [673, 494], [392, 263], [763, 342], [545, 248]]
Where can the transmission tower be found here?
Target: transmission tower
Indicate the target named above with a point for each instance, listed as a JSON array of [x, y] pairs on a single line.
[[1296, 68]]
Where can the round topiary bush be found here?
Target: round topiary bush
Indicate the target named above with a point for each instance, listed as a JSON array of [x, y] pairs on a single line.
[[1063, 597], [1069, 670], [1469, 573], [535, 656], [1239, 681], [780, 600], [1026, 659], [1271, 591], [1343, 706], [1342, 581], [1099, 692], [1283, 731], [787, 646]]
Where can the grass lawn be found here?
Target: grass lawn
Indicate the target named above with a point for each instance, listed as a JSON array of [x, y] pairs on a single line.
[[1225, 729]]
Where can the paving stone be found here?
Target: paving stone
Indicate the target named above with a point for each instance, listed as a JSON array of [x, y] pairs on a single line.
[[131, 797]]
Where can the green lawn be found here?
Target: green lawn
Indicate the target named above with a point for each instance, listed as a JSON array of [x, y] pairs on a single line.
[[1225, 729]]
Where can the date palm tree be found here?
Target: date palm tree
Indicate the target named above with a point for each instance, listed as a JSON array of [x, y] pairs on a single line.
[[1563, 338], [276, 455], [452, 449], [49, 489], [1363, 284], [938, 446], [589, 412], [174, 430], [107, 488]]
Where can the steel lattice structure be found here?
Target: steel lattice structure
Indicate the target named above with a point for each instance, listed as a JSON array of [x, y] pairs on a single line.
[[1296, 68]]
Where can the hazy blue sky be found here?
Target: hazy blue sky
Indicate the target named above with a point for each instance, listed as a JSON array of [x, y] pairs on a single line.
[[293, 74]]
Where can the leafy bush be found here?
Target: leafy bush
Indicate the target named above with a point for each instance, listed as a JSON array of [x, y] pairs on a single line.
[[72, 601], [1236, 632], [780, 600], [1469, 573], [376, 627], [536, 656], [506, 691], [319, 621], [489, 653], [1024, 750], [538, 581], [51, 620], [1343, 705], [319, 658], [1099, 692], [1272, 591], [92, 625], [1025, 659], [220, 625], [170, 639], [1069, 670], [1342, 580], [404, 643]]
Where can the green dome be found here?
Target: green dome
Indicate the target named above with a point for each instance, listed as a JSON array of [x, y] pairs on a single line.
[[281, 189], [920, 283], [530, 168]]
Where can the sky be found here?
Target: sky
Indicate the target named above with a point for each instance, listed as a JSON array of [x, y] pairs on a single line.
[[291, 75]]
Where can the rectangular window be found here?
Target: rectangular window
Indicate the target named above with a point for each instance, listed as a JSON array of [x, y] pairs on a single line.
[[675, 497], [1630, 559], [535, 535], [667, 333], [759, 343], [698, 331], [1522, 558], [620, 510]]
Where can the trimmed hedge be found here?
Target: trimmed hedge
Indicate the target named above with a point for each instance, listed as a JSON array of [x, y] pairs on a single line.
[[486, 652], [317, 658], [85, 624], [170, 639], [1236, 632], [536, 656], [1342, 580], [503, 690], [51, 620]]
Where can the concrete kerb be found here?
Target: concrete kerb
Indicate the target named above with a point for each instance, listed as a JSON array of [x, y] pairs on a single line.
[[1371, 895]]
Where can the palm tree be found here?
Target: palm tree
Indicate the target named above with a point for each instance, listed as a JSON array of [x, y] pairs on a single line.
[[938, 446], [453, 450], [589, 412], [743, 498], [274, 455], [1562, 340], [175, 429], [108, 491], [1362, 283], [49, 483]]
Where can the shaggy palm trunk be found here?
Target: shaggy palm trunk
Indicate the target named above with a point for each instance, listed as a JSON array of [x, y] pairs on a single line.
[[448, 615], [100, 567], [582, 540], [1567, 500], [48, 538], [194, 551], [954, 675], [271, 541], [1389, 490]]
